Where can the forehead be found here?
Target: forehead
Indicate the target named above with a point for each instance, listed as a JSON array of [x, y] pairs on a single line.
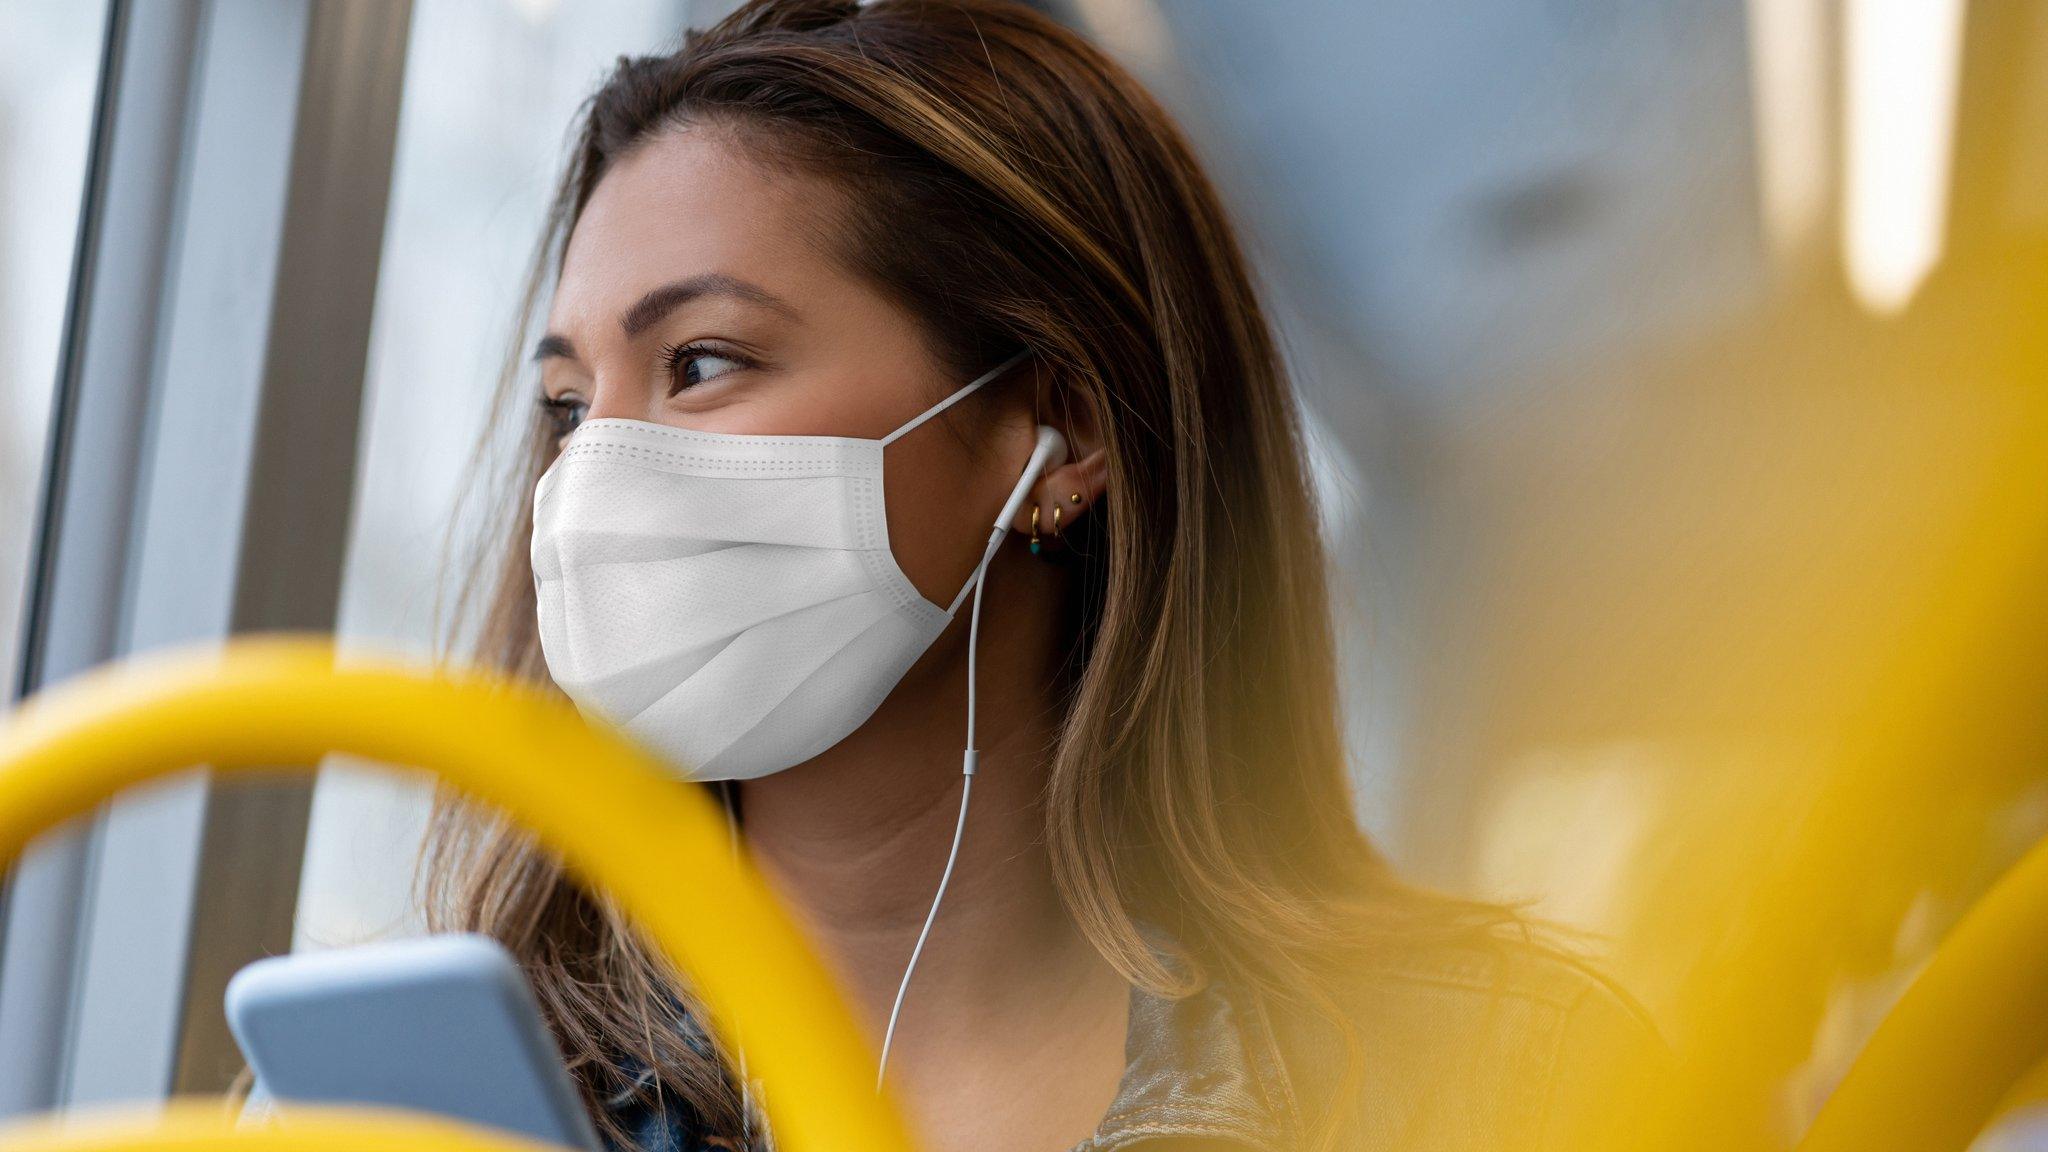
[[687, 202]]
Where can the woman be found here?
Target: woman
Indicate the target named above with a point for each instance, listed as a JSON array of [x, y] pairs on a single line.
[[820, 220]]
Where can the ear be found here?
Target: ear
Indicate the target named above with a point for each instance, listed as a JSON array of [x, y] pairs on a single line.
[[1076, 486]]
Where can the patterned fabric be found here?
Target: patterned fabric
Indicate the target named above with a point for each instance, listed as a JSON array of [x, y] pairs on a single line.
[[673, 1128], [660, 1123]]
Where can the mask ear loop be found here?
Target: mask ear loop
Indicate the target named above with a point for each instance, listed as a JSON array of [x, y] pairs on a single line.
[[1050, 450], [959, 394]]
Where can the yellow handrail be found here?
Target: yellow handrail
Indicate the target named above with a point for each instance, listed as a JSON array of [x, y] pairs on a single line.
[[618, 821], [1928, 1080], [1973, 1022], [204, 1126]]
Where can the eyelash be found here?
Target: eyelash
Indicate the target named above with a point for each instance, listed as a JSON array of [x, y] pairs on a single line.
[[674, 356], [564, 411]]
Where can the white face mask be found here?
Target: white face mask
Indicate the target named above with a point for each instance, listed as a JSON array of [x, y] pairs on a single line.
[[730, 601]]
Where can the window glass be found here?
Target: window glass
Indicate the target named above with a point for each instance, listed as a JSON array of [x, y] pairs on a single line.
[[491, 89], [49, 72]]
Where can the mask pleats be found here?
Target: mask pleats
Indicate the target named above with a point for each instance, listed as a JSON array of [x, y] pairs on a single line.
[[730, 694], [855, 679], [624, 499], [654, 619]]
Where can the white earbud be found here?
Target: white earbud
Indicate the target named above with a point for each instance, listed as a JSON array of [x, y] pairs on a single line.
[[1050, 452]]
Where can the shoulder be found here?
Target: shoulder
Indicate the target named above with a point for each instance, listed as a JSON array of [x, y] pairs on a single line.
[[1461, 1045]]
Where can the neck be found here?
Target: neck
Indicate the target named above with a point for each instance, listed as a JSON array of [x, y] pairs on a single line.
[[1007, 990], [857, 838]]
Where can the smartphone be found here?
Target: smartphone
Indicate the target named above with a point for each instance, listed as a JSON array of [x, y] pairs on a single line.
[[442, 1024]]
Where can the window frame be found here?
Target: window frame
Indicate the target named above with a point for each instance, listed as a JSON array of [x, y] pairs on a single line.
[[201, 467]]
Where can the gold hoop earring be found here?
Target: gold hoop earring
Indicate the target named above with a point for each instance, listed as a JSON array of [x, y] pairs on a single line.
[[1055, 520], [1034, 529]]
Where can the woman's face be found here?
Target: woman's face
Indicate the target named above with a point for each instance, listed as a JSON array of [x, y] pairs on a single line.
[[700, 290]]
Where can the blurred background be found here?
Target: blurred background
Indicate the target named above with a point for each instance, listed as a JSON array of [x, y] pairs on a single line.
[[1678, 380]]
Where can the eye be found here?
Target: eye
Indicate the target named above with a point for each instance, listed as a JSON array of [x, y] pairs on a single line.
[[692, 364], [563, 413]]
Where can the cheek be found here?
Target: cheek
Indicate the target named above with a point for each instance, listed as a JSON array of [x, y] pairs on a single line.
[[940, 508]]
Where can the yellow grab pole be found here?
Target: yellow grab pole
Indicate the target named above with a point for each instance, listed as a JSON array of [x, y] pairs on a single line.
[[1973, 1022], [617, 819], [204, 1126]]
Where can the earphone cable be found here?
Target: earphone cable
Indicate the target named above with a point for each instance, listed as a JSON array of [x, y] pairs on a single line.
[[966, 793], [1050, 448]]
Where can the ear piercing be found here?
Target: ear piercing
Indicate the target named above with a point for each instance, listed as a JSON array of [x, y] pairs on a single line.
[[1058, 514]]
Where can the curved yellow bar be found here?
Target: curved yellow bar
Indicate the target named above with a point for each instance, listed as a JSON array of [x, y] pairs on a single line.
[[1972, 1023], [618, 820], [204, 1126]]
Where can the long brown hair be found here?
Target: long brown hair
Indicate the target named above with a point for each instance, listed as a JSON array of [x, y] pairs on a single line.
[[1013, 186]]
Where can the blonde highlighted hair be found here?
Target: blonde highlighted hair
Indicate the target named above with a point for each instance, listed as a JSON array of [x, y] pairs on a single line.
[[1013, 186]]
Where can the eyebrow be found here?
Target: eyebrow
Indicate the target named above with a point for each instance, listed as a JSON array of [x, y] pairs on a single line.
[[658, 303]]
